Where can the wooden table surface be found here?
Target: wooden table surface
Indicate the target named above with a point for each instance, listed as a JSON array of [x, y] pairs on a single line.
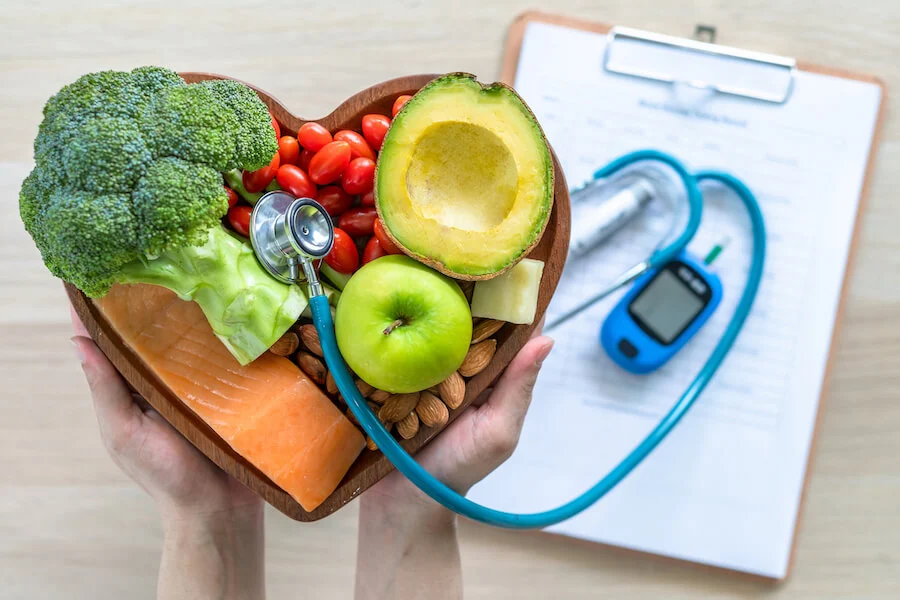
[[72, 526]]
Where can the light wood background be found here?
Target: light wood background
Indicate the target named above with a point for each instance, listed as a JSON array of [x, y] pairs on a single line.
[[72, 526]]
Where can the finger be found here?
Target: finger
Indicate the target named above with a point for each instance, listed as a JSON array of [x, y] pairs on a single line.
[[117, 414], [539, 328], [80, 329], [512, 394]]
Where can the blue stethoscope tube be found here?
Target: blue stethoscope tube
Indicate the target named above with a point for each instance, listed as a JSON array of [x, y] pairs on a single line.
[[456, 502]]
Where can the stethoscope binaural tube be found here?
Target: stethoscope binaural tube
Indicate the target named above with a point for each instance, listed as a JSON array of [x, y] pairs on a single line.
[[454, 501]]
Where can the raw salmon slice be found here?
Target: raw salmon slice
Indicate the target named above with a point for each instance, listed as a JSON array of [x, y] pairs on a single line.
[[268, 411]]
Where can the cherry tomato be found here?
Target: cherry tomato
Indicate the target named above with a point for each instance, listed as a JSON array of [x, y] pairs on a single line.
[[358, 222], [344, 257], [398, 104], [275, 126], [368, 199], [305, 157], [359, 176], [329, 162], [232, 196], [313, 136], [294, 180], [256, 181], [374, 129], [386, 244], [359, 147], [288, 150], [373, 250], [334, 200], [361, 244], [239, 217]]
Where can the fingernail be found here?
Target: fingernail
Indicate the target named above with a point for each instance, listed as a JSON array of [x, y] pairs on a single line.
[[79, 351], [545, 351]]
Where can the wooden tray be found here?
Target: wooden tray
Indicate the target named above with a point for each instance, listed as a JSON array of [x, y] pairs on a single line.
[[370, 466]]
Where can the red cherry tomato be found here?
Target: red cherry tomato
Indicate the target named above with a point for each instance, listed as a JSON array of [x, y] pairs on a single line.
[[329, 162], [256, 181], [359, 147], [359, 176], [232, 196], [374, 129], [334, 200], [373, 250], [398, 104], [288, 150], [275, 126], [239, 217], [358, 222], [305, 157], [368, 199], [386, 244], [294, 180], [313, 136], [344, 257]]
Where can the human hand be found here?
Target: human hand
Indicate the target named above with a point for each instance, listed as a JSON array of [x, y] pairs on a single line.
[[481, 438], [213, 524], [407, 542]]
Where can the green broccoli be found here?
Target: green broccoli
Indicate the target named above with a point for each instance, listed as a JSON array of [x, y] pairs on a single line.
[[127, 188]]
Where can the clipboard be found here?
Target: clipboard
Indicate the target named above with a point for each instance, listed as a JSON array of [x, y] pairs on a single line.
[[790, 66]]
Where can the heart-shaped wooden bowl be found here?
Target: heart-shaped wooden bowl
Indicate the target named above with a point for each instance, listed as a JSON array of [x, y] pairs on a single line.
[[370, 466]]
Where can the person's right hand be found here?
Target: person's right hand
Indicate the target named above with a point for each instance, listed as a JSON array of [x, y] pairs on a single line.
[[213, 524]]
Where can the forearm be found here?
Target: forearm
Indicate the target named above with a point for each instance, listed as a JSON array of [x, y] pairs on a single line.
[[407, 552], [218, 556]]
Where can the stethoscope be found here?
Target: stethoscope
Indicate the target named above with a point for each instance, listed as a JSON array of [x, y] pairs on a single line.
[[289, 234]]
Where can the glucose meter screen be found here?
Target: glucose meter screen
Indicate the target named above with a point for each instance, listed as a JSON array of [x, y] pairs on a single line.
[[666, 306]]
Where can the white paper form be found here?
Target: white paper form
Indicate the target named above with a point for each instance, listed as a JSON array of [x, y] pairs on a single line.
[[725, 486]]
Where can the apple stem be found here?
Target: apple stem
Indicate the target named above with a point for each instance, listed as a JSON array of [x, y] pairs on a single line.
[[393, 326]]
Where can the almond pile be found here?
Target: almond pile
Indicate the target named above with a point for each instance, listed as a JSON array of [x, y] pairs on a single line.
[[404, 414]]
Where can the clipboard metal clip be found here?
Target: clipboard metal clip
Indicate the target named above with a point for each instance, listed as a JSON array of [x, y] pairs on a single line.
[[700, 65]]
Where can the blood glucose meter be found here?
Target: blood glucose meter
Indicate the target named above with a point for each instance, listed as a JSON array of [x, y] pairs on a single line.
[[662, 311]]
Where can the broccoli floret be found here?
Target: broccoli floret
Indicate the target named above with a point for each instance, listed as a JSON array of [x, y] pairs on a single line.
[[94, 237], [254, 146], [191, 123], [176, 204], [127, 188], [106, 155]]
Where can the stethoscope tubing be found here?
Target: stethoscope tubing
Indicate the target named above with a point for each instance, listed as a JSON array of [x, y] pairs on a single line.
[[458, 503]]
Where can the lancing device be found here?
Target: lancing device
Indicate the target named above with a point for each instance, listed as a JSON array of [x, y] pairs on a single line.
[[601, 207]]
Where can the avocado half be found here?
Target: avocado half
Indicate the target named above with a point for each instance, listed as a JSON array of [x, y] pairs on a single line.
[[464, 180]]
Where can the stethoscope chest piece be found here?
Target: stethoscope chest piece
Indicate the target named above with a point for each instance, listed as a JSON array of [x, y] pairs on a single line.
[[288, 233]]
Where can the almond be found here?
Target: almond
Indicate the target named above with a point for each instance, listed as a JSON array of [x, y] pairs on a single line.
[[286, 344], [312, 366], [379, 396], [398, 406], [330, 384], [408, 426], [370, 443], [478, 358], [453, 391], [432, 412], [485, 329], [310, 338], [364, 388], [435, 389]]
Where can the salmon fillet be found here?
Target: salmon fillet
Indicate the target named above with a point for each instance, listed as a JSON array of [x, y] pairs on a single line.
[[269, 411]]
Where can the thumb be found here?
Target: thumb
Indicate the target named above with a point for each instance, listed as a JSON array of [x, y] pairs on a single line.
[[512, 394]]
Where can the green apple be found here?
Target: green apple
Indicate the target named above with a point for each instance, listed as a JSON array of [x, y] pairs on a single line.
[[401, 326]]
